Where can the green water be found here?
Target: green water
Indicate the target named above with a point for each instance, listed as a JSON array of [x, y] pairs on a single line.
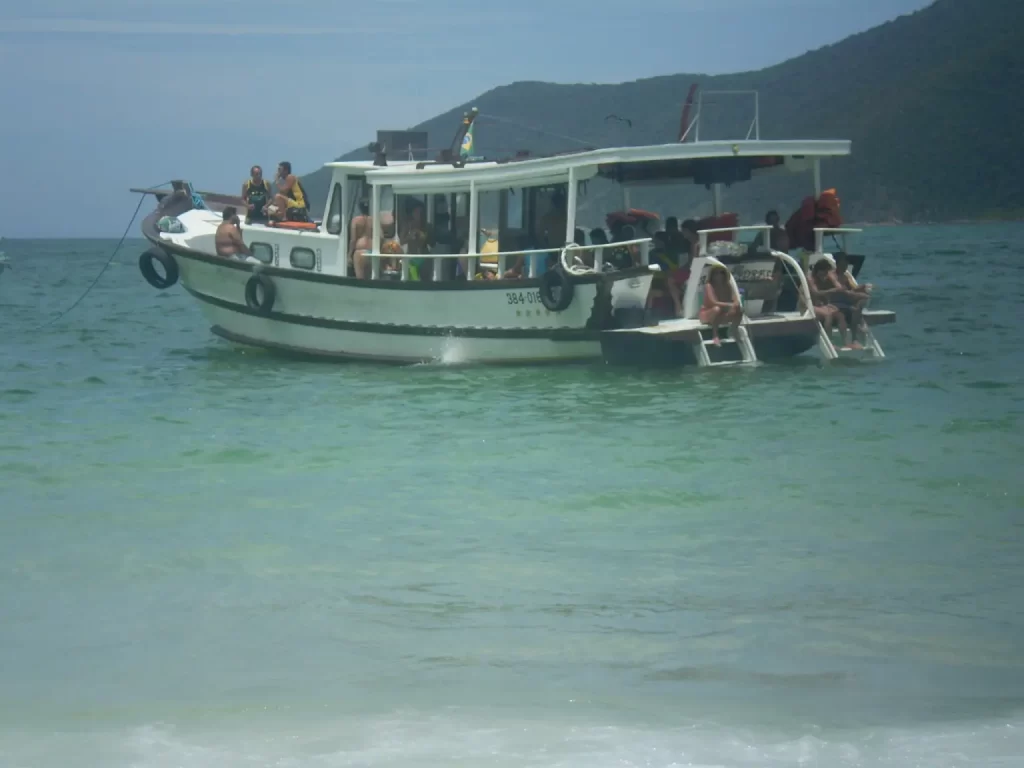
[[218, 557]]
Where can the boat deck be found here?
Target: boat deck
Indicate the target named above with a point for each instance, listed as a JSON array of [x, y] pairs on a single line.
[[762, 326], [673, 342]]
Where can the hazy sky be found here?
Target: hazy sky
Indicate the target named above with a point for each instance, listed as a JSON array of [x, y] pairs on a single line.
[[102, 95]]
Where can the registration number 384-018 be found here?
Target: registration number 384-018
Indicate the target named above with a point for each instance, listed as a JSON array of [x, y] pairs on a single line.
[[523, 297]]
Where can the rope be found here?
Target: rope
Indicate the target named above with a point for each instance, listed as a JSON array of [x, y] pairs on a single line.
[[536, 130], [117, 248], [574, 269]]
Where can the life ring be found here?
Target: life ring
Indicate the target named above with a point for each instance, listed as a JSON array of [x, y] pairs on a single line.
[[154, 278], [556, 289], [252, 295]]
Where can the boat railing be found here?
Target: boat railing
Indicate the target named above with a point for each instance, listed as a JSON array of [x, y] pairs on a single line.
[[801, 279], [844, 232], [472, 259], [703, 233], [754, 131]]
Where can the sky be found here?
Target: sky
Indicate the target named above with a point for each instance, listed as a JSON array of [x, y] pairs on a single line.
[[102, 95]]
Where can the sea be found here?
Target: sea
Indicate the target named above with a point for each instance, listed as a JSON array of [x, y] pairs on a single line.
[[214, 556]]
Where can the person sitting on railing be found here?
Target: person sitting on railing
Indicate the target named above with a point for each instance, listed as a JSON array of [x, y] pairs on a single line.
[[256, 193], [720, 304], [855, 298], [228, 238], [825, 292], [290, 202]]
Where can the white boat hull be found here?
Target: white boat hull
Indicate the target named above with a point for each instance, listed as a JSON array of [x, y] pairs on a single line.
[[501, 322]]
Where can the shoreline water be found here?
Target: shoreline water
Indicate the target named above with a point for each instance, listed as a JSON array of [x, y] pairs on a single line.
[[213, 556]]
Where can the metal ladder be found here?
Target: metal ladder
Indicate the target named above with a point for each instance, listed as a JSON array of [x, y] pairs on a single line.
[[871, 346], [744, 345]]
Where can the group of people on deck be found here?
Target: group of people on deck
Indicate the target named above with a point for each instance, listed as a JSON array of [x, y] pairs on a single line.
[[289, 202], [836, 297], [262, 204]]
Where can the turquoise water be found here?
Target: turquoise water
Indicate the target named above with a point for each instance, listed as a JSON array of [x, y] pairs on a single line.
[[218, 557]]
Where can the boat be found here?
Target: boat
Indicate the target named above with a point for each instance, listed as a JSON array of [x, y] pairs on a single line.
[[504, 279]]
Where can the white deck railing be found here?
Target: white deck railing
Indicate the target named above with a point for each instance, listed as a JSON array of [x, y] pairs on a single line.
[[502, 258], [703, 233], [755, 125], [820, 232]]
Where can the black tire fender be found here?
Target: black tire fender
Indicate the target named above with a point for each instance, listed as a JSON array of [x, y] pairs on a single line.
[[265, 304], [556, 290], [170, 276]]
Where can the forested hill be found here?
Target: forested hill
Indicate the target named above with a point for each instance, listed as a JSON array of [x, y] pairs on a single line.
[[932, 101]]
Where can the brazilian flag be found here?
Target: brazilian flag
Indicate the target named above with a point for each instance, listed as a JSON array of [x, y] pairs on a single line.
[[466, 150]]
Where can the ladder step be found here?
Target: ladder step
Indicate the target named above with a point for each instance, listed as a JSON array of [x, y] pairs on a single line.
[[711, 342]]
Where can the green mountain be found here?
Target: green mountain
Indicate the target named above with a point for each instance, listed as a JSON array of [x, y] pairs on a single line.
[[932, 101]]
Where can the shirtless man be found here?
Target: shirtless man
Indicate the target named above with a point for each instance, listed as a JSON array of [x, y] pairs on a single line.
[[229, 236], [360, 240]]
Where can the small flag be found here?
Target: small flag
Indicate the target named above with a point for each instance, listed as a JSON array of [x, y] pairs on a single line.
[[467, 143]]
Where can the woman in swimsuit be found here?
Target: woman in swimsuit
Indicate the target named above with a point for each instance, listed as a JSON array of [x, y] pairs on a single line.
[[721, 304], [823, 290]]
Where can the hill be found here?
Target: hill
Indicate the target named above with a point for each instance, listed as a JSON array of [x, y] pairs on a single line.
[[931, 101]]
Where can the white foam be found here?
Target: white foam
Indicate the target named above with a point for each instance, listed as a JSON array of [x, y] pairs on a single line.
[[451, 741]]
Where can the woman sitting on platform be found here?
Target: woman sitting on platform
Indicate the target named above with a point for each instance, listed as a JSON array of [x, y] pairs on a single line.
[[825, 292], [721, 304]]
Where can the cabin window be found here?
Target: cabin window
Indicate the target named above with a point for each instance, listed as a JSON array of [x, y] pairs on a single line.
[[489, 217], [263, 252], [514, 209], [334, 212], [303, 258]]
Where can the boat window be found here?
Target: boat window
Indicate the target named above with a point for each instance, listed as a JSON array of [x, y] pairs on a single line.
[[263, 252], [488, 217], [334, 212], [303, 258], [514, 209]]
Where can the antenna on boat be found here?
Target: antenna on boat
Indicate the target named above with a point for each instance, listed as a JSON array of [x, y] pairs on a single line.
[[684, 120]]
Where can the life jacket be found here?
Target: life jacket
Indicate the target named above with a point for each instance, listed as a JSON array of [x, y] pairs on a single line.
[[826, 211], [800, 226], [822, 213], [298, 194], [257, 195], [489, 251], [720, 222]]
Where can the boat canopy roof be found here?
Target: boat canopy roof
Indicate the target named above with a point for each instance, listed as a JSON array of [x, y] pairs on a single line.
[[704, 162]]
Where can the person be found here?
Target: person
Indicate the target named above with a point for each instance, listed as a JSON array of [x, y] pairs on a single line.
[[552, 224], [778, 239], [690, 243], [228, 239], [256, 193], [854, 297], [677, 244], [721, 304], [824, 290], [415, 233], [360, 239], [671, 276], [291, 201]]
